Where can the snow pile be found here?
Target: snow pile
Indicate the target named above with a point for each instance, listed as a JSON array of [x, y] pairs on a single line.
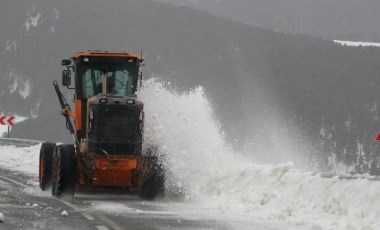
[[1, 217], [351, 43], [25, 160], [282, 193], [197, 159], [64, 213]]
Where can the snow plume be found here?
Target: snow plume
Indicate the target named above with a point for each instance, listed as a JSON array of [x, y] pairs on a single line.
[[189, 138], [198, 160]]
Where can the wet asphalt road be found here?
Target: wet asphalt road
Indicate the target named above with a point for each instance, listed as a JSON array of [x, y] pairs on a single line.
[[22, 210], [26, 207]]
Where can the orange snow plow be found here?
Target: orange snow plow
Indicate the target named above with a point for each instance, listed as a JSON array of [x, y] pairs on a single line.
[[107, 131]]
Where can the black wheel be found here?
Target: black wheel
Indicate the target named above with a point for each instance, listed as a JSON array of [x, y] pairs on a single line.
[[154, 181], [45, 171], [64, 170], [55, 170]]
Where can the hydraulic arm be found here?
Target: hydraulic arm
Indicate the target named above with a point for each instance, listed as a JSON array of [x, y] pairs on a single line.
[[65, 111]]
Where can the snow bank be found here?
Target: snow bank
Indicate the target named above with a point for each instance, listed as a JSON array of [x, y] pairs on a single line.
[[64, 213], [351, 43], [25, 160]]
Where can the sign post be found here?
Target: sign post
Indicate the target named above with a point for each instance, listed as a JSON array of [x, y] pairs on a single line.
[[9, 121]]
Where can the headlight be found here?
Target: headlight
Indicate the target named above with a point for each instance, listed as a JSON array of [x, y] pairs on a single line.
[[103, 100], [130, 101]]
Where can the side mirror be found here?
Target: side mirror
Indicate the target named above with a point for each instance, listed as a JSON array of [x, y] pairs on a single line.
[[66, 62], [66, 77]]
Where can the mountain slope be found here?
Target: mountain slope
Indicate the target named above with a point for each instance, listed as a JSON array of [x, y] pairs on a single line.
[[294, 93], [338, 19]]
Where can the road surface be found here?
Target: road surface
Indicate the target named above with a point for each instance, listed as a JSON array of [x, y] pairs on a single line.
[[26, 207]]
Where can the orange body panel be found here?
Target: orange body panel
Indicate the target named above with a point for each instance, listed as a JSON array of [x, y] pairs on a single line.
[[78, 114], [118, 170], [106, 54]]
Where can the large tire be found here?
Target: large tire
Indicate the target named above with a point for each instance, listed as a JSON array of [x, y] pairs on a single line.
[[64, 171], [45, 168], [55, 170], [154, 181]]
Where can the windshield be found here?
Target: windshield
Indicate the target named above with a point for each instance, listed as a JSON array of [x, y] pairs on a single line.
[[119, 82]]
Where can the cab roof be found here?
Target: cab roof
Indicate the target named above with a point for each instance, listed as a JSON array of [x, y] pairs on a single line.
[[106, 54]]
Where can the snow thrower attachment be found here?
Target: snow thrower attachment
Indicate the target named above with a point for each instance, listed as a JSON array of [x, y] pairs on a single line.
[[107, 130]]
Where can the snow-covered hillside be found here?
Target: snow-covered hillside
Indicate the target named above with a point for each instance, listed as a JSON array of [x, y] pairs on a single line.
[[218, 180], [351, 43]]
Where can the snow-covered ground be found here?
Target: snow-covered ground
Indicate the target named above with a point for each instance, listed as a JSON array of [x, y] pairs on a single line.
[[23, 160], [351, 43], [219, 182]]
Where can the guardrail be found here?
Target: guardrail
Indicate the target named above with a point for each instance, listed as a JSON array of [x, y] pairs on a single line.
[[18, 142]]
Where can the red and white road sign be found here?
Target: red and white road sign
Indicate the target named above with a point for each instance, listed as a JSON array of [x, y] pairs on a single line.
[[378, 137], [5, 120]]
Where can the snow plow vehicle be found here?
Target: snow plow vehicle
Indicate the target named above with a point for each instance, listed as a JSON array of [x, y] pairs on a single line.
[[108, 130]]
